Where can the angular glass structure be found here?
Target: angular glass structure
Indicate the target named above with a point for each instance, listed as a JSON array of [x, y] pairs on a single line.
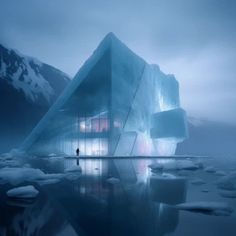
[[117, 105]]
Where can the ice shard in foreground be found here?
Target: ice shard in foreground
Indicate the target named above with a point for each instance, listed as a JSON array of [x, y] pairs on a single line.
[[117, 105]]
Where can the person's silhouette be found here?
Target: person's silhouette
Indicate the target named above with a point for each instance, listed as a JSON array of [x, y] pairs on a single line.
[[77, 154]]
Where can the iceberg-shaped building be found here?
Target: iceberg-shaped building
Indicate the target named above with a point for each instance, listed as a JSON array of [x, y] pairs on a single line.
[[116, 105]]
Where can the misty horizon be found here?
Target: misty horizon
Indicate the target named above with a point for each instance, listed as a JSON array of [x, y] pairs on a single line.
[[195, 42]]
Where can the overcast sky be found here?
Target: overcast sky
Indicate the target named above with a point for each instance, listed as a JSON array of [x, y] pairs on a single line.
[[193, 39]]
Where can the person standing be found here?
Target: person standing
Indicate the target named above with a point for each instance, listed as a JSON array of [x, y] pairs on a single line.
[[77, 154]]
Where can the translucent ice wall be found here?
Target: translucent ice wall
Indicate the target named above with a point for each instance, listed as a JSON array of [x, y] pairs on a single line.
[[155, 123], [168, 120]]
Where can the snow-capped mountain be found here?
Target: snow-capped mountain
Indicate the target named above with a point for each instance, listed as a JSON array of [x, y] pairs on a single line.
[[28, 88], [40, 83], [209, 138]]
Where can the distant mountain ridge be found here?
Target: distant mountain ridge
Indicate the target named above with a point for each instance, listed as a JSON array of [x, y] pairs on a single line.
[[28, 88], [209, 138], [40, 82]]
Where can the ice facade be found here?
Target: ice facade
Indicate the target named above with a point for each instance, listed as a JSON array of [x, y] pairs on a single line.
[[117, 105]]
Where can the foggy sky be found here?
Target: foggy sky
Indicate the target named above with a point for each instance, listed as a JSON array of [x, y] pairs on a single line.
[[193, 39]]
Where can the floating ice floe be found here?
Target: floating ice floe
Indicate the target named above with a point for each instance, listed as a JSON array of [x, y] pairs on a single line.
[[205, 190], [8, 161], [52, 155], [220, 173], [16, 176], [72, 176], [28, 191], [48, 181], [197, 181], [167, 176], [210, 208], [14, 158], [113, 180], [228, 194], [176, 165], [27, 165], [14, 153], [227, 182], [184, 173], [210, 169], [73, 169]]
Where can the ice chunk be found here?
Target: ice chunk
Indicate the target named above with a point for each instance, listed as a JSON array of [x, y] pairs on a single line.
[[72, 176], [16, 176], [205, 190], [14, 153], [8, 160], [228, 193], [52, 155], [197, 181], [220, 173], [185, 173], [175, 165], [168, 176], [27, 165], [210, 208], [73, 169], [199, 164], [210, 169], [28, 191], [156, 166], [48, 181], [113, 180], [227, 182]]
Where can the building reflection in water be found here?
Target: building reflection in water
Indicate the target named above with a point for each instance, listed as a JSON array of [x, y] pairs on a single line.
[[167, 190], [140, 204]]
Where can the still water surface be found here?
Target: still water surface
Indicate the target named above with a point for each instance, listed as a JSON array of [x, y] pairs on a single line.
[[134, 202]]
